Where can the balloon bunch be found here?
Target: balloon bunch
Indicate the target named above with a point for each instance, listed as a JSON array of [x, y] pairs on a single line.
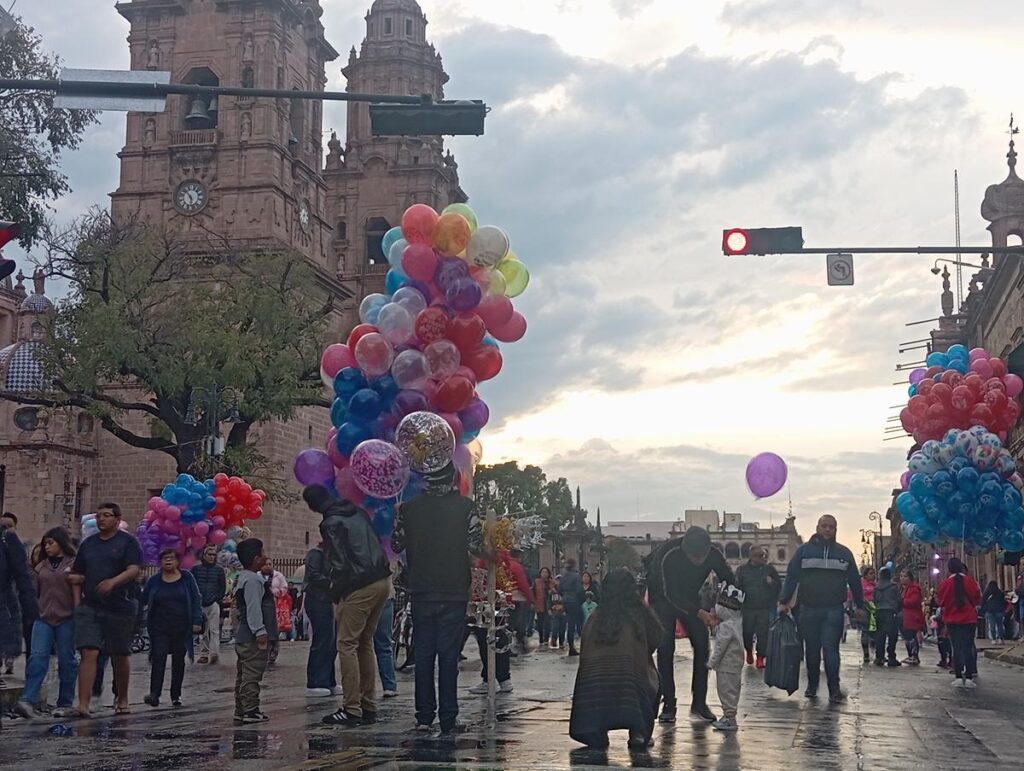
[[404, 382], [967, 488], [960, 389], [190, 514], [90, 527]]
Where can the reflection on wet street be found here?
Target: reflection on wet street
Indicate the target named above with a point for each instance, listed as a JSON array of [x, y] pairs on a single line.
[[894, 719]]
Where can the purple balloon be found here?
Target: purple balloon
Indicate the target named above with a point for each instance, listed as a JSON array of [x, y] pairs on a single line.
[[766, 475], [449, 271], [476, 415], [314, 467], [408, 401], [917, 376], [464, 294]]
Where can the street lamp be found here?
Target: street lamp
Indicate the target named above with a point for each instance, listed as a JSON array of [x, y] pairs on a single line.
[[936, 270], [210, 401], [874, 516]]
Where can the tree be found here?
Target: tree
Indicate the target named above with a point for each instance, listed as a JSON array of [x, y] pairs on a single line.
[[526, 491], [558, 509], [33, 134], [151, 330], [620, 554]]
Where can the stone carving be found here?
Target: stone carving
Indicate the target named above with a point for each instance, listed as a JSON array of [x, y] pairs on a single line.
[[149, 132], [248, 49], [246, 125], [153, 59]]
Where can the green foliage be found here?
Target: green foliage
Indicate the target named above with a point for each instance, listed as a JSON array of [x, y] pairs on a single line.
[[32, 135], [526, 491], [619, 554], [149, 328]]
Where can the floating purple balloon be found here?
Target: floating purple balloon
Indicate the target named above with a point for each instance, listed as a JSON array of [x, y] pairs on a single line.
[[917, 376], [314, 467], [766, 475]]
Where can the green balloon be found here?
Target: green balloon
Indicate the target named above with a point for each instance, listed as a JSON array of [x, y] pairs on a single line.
[[465, 211], [517, 277]]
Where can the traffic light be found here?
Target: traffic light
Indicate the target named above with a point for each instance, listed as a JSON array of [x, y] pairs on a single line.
[[8, 232], [741, 241], [434, 119]]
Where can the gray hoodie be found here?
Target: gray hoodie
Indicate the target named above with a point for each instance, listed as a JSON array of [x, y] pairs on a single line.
[[887, 596]]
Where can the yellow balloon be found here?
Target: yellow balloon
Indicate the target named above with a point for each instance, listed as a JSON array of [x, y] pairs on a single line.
[[517, 277], [465, 211], [452, 234]]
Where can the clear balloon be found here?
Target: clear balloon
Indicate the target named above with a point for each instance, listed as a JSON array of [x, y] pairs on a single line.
[[443, 359], [370, 307], [374, 354], [463, 294], [395, 254], [392, 237], [487, 247], [396, 323], [379, 469], [427, 440], [410, 370], [411, 299], [517, 277]]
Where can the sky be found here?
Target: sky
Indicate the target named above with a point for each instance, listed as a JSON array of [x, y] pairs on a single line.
[[624, 136]]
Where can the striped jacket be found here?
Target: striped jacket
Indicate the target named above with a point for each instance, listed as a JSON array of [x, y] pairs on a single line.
[[823, 570]]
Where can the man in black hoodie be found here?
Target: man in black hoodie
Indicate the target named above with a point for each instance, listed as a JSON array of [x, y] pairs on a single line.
[[761, 584], [676, 571], [438, 531], [359, 572]]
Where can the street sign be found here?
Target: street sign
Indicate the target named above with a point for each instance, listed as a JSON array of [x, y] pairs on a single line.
[[840, 269], [118, 103]]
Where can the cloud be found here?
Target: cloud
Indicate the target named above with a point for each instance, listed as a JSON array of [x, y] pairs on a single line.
[[779, 13], [626, 9]]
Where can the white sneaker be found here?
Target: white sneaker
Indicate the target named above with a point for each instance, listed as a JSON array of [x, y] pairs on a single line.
[[969, 684], [390, 694], [316, 693], [958, 683], [725, 724], [480, 689], [505, 686], [336, 691]]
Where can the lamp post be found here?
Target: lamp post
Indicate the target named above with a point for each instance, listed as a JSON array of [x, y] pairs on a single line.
[[211, 402], [865, 541], [874, 516]]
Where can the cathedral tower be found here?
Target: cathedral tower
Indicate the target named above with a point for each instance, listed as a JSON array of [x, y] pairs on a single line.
[[372, 180]]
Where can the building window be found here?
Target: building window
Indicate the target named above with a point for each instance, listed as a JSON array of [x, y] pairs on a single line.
[[387, 26], [201, 112], [781, 554], [310, 436], [85, 423], [341, 231], [27, 418], [732, 551], [307, 538], [408, 27], [376, 227], [745, 550], [248, 77]]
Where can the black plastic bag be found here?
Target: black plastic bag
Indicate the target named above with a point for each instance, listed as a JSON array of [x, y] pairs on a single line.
[[785, 653]]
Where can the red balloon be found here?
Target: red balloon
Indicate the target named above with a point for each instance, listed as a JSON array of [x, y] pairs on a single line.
[[419, 223], [963, 398], [998, 367], [907, 420], [996, 400], [467, 373], [496, 310], [982, 415], [934, 372], [256, 513], [938, 412], [431, 324], [975, 382], [455, 422], [484, 360], [454, 394], [942, 392], [514, 329], [925, 386], [995, 384], [419, 262], [918, 406], [220, 479], [357, 334], [466, 331]]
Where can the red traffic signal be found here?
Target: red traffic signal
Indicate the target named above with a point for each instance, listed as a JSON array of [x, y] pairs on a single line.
[[741, 241]]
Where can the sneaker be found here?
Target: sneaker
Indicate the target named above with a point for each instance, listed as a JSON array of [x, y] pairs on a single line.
[[725, 724], [63, 712], [969, 684], [26, 710], [553, 646], [811, 693], [480, 689], [760, 662], [176, 702], [390, 694], [449, 731], [894, 663], [253, 716], [702, 713], [668, 714], [369, 718], [151, 700], [336, 691], [958, 683], [573, 652], [879, 662], [867, 658], [203, 660], [837, 698], [422, 728], [637, 742], [505, 686], [342, 719], [316, 693], [750, 658]]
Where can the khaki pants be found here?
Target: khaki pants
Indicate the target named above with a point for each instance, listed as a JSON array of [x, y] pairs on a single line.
[[357, 616], [252, 663], [209, 645]]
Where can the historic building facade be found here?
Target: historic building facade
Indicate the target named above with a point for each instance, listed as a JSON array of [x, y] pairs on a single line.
[[252, 172]]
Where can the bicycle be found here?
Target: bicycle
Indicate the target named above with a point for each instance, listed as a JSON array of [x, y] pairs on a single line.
[[401, 630]]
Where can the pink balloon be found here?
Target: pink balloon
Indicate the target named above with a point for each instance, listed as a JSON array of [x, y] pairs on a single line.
[[419, 262], [455, 422], [218, 522], [982, 367], [766, 475], [1014, 385], [198, 542], [978, 353], [495, 310], [511, 331], [188, 561], [150, 516], [173, 513], [201, 528], [156, 503], [339, 460], [217, 537], [335, 358], [161, 506]]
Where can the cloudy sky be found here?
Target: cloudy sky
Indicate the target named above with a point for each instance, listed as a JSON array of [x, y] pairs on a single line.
[[625, 135]]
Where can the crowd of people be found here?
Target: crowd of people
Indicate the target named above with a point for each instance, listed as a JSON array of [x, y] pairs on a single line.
[[83, 603]]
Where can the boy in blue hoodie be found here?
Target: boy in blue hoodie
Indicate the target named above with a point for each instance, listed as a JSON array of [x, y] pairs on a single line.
[[256, 621]]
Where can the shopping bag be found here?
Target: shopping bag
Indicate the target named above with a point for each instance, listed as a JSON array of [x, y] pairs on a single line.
[[785, 652]]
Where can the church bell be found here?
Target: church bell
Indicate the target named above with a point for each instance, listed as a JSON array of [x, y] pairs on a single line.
[[197, 117]]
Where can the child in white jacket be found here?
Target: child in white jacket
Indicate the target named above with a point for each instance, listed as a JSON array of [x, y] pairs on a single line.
[[727, 657]]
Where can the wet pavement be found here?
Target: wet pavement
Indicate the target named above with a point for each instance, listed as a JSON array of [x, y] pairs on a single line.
[[895, 719]]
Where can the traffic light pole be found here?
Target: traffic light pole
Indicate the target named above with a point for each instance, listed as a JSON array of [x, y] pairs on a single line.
[[907, 250]]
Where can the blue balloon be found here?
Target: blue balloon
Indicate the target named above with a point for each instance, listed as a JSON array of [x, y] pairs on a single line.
[[365, 406], [210, 485], [934, 509], [959, 365], [348, 381], [339, 412], [394, 281], [350, 436], [926, 532], [959, 505], [943, 484], [488, 340], [958, 352], [1011, 498], [909, 507], [953, 527], [1014, 520], [958, 464], [920, 486], [384, 522], [1012, 540], [985, 538], [415, 486], [968, 481], [937, 360], [912, 391], [392, 237], [386, 386], [990, 495]]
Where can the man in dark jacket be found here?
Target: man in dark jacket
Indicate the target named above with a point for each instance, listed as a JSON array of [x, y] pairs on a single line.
[[320, 677], [359, 574], [570, 585], [438, 531], [213, 585], [676, 572], [16, 591], [822, 569], [761, 584]]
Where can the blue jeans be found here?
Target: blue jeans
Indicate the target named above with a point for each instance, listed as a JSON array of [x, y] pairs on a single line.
[[573, 622], [45, 637], [382, 647], [320, 672], [822, 629], [438, 629], [994, 625]]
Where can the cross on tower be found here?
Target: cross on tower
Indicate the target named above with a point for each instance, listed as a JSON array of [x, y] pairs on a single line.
[[1011, 156]]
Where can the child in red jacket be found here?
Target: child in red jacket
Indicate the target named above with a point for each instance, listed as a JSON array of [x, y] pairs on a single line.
[[912, 616], [959, 597]]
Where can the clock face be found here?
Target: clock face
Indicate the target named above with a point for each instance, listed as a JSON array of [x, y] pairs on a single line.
[[190, 197], [304, 217]]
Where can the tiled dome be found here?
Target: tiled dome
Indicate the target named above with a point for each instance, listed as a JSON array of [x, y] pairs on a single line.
[[391, 5], [37, 303], [20, 368]]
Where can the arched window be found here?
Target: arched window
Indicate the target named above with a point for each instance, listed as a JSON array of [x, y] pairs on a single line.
[[200, 112], [745, 550], [296, 124], [732, 551], [376, 227], [408, 27], [387, 25], [248, 77], [781, 554], [341, 231]]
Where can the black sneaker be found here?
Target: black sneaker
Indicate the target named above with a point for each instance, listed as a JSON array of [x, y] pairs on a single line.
[[702, 713], [573, 652], [879, 663], [451, 731], [342, 719], [151, 700], [423, 728], [176, 702], [811, 692], [252, 716], [837, 698], [668, 714], [895, 663], [369, 718]]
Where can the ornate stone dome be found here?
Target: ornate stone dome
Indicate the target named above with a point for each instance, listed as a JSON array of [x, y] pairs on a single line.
[[20, 369], [36, 303], [396, 5]]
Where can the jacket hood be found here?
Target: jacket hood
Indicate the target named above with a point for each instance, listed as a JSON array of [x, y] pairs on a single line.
[[727, 614], [342, 508], [440, 482]]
